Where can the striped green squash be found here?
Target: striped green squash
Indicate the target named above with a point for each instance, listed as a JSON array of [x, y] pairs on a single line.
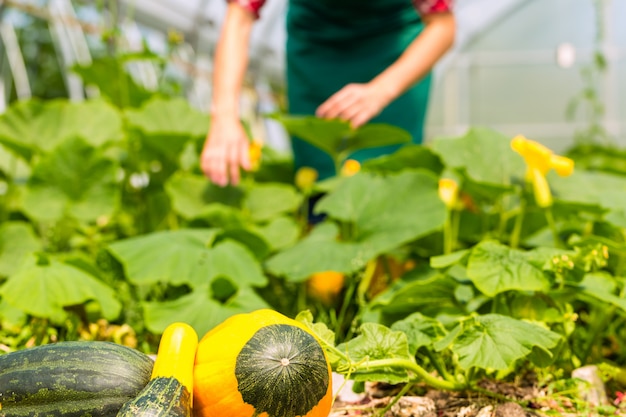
[[71, 379]]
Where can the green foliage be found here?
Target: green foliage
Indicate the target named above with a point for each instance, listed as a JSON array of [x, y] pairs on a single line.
[[106, 215]]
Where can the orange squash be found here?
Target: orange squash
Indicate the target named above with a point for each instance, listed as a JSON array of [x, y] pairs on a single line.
[[261, 364]]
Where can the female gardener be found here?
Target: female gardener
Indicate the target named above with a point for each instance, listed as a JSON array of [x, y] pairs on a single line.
[[355, 60]]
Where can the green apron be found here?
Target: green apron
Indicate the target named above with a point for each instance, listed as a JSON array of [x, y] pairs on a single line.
[[332, 43]]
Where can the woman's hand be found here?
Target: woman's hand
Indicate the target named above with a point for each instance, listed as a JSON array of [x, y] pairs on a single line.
[[225, 152], [355, 103]]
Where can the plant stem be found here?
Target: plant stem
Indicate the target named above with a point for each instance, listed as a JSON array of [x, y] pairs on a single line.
[[448, 242], [410, 366], [552, 224], [517, 227]]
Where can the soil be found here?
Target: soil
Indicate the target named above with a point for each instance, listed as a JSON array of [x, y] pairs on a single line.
[[524, 399]]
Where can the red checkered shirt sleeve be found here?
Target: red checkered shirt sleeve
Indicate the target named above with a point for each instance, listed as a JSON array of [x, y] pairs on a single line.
[[253, 6], [425, 7]]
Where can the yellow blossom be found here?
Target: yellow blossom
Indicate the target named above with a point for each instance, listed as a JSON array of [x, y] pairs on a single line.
[[254, 154], [539, 161], [325, 286], [449, 192], [350, 167], [305, 178]]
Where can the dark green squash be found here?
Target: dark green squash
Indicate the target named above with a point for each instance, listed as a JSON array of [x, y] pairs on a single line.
[[71, 379]]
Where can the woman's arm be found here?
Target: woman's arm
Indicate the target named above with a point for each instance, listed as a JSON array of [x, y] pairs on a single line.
[[226, 146], [358, 103]]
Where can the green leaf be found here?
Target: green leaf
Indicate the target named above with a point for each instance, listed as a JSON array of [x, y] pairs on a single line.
[[445, 261], [280, 233], [319, 329], [484, 154], [33, 126], [264, 202], [192, 195], [383, 214], [590, 189], [495, 342], [17, 239], [165, 256], [108, 73], [318, 252], [376, 341], [337, 138], [602, 288], [431, 295], [74, 179], [43, 288], [227, 259], [200, 310], [421, 331], [410, 156], [173, 117], [496, 268]]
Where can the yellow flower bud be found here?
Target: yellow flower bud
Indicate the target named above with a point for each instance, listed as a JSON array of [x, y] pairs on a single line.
[[449, 192], [325, 286], [350, 167], [254, 154], [305, 178]]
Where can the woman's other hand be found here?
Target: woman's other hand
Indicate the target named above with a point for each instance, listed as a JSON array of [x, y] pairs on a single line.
[[355, 103]]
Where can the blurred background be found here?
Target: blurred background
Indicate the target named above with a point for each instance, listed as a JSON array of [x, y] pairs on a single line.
[[552, 70]]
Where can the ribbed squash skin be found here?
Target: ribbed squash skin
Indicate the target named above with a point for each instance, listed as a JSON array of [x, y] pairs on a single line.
[[71, 379], [261, 364], [162, 397]]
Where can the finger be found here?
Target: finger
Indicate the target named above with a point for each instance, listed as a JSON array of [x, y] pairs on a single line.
[[337, 102], [217, 164], [244, 155], [233, 159]]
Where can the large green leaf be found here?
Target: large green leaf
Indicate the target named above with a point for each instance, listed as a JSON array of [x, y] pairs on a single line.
[[30, 126], [337, 138], [192, 194], [410, 156], [186, 257], [376, 341], [421, 331], [172, 117], [227, 259], [17, 239], [496, 342], [280, 233], [165, 256], [200, 310], [590, 189], [42, 287], [484, 154], [318, 252], [386, 212], [264, 202], [74, 179], [108, 73], [430, 295], [602, 290], [496, 268], [168, 124]]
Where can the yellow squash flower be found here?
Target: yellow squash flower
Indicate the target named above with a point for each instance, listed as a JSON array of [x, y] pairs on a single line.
[[449, 192], [350, 167], [325, 286], [305, 178], [539, 161], [254, 153]]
